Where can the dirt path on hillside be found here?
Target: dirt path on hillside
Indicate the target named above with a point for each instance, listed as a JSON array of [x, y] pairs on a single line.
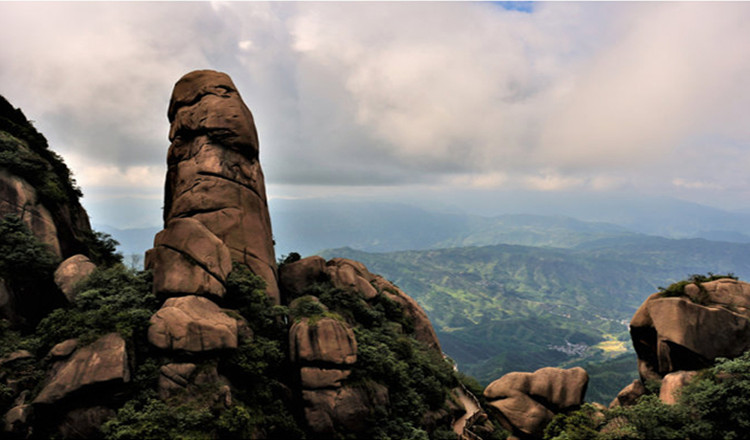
[[472, 407]]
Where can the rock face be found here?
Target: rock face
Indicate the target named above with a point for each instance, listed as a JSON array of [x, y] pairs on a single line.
[[673, 383], [72, 271], [192, 323], [689, 332], [103, 362], [327, 340], [629, 395], [17, 196], [63, 225], [214, 178], [525, 403], [325, 350]]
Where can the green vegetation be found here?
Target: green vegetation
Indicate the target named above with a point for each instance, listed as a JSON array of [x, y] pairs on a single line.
[[713, 406], [110, 299], [259, 373], [27, 266]]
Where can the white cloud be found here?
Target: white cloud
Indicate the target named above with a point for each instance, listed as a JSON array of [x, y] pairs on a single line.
[[590, 96]]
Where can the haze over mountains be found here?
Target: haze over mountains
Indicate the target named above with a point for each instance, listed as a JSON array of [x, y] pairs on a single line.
[[561, 220]]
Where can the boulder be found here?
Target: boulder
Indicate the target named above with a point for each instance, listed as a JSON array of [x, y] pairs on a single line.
[[525, 403], [314, 378], [15, 356], [104, 362], [63, 349], [629, 395], [324, 340], [343, 410], [214, 176], [295, 277], [188, 382], [673, 383], [16, 420], [177, 275], [352, 276], [71, 272], [192, 323], [689, 332]]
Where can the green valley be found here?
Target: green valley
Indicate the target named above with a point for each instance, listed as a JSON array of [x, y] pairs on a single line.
[[509, 308]]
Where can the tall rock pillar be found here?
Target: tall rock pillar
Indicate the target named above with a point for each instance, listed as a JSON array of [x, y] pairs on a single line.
[[215, 206]]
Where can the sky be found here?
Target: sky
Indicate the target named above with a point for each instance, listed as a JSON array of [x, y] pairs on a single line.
[[405, 101]]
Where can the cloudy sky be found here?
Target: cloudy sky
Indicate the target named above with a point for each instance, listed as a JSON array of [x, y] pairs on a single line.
[[397, 99]]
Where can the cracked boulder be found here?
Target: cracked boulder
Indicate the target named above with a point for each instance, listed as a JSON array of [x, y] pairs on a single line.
[[214, 178], [325, 340], [194, 324], [524, 403], [188, 259], [102, 363], [342, 410], [688, 332]]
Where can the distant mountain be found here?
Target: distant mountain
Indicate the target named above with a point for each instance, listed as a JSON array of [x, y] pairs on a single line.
[[310, 225], [517, 308], [132, 241], [307, 226]]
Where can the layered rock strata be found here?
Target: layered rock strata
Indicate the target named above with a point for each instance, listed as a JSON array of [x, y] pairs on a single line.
[[524, 403]]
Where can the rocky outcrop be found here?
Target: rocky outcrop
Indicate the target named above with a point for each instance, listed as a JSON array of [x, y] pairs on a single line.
[[353, 277], [104, 362], [185, 381], [325, 340], [36, 186], [71, 272], [345, 408], [325, 349], [524, 403], [18, 197], [629, 395], [688, 332], [673, 383], [214, 179], [192, 323]]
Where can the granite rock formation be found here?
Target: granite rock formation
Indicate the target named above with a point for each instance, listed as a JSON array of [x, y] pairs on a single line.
[[353, 277], [688, 332], [214, 178], [71, 272], [287, 364], [36, 187], [524, 403], [104, 361]]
